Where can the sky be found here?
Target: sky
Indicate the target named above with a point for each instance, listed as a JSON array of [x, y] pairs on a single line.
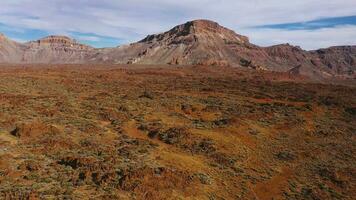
[[311, 24]]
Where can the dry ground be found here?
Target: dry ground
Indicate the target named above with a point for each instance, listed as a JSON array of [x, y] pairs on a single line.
[[85, 132]]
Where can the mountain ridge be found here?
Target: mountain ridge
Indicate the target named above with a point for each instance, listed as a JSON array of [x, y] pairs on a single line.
[[198, 42]]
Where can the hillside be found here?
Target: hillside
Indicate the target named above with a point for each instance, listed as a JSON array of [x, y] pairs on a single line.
[[10, 51]]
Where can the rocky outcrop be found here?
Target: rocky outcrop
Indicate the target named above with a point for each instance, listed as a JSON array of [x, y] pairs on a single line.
[[59, 42], [56, 49]]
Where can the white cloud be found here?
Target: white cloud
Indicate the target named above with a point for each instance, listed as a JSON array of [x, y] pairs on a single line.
[[19, 40], [308, 39], [131, 20], [88, 38]]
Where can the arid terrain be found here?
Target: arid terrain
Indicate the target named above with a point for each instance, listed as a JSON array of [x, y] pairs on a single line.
[[170, 132]]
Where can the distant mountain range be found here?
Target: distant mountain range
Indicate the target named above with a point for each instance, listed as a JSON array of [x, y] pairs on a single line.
[[199, 42]]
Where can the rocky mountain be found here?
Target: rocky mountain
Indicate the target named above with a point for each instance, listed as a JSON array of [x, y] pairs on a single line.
[[298, 61], [333, 61], [340, 60], [56, 49], [199, 42], [51, 49], [10, 51]]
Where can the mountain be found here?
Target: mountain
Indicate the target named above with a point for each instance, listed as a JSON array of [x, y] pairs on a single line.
[[51, 49], [199, 42], [340, 60], [56, 49], [333, 61], [10, 51]]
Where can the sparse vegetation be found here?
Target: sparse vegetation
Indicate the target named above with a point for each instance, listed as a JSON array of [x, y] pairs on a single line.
[[79, 132]]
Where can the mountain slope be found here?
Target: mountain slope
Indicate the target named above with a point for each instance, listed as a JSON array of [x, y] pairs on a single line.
[[341, 59], [10, 51], [326, 62]]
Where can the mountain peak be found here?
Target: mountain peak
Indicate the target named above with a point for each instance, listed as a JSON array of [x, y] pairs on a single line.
[[5, 39], [198, 28], [203, 24], [59, 41], [2, 36]]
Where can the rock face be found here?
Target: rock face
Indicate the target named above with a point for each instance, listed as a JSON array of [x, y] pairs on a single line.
[[56, 49], [199, 42]]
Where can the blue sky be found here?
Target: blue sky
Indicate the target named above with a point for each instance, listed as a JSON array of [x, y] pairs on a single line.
[[314, 24], [28, 34], [310, 24]]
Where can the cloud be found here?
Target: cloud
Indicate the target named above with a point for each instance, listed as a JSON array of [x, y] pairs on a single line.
[[314, 24], [89, 38], [19, 40], [130, 20], [95, 40], [308, 39]]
